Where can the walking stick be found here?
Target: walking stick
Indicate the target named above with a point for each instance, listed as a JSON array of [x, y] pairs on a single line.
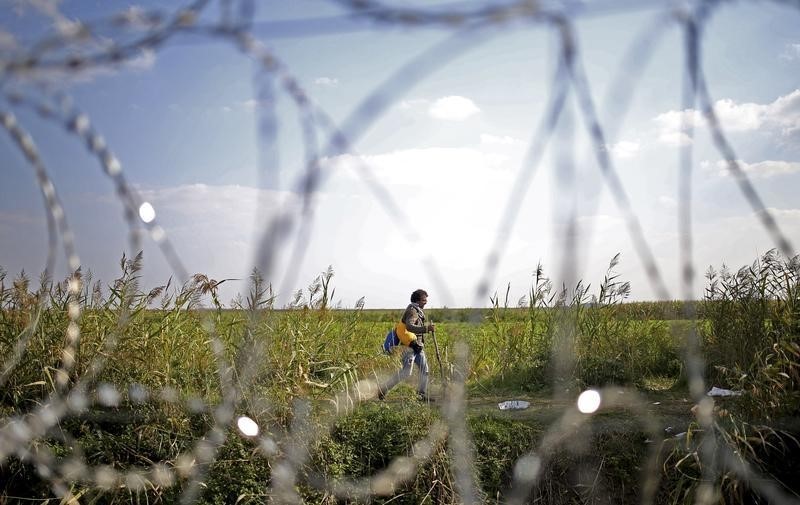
[[439, 359]]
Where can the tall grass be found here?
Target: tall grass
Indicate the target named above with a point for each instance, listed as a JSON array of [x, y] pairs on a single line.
[[159, 338], [180, 345], [309, 348], [752, 344], [752, 332], [604, 340]]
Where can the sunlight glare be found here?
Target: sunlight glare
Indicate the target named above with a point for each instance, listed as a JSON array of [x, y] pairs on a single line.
[[247, 426], [147, 212], [589, 401]]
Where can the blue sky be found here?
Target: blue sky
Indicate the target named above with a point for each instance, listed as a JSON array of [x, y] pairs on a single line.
[[183, 121]]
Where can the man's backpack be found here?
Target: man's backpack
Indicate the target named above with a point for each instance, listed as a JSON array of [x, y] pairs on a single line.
[[390, 342], [396, 336]]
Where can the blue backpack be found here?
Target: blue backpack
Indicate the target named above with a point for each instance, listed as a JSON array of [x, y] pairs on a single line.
[[390, 342]]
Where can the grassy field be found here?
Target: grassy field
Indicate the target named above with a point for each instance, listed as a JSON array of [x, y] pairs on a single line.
[[123, 393]]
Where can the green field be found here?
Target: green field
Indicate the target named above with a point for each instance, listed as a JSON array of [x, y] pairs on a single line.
[[126, 393]]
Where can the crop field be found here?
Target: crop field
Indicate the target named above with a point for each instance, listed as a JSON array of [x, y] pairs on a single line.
[[146, 404]]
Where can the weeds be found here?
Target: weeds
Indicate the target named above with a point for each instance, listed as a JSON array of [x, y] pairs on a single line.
[[608, 341], [750, 336], [161, 341]]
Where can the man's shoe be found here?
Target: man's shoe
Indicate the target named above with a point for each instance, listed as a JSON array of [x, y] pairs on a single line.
[[381, 394], [425, 398]]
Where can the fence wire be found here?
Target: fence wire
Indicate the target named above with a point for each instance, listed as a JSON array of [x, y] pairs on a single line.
[[30, 74]]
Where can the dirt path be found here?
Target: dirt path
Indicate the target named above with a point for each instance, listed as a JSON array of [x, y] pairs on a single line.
[[670, 410], [666, 406]]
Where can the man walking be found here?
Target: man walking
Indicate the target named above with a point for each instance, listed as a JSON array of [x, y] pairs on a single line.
[[413, 322]]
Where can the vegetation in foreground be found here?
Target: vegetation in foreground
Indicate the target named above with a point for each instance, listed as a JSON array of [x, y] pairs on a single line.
[[150, 367]]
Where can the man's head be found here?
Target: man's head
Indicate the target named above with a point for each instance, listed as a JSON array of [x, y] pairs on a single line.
[[420, 297]]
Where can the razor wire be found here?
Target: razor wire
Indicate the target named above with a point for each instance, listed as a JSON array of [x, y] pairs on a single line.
[[26, 74]]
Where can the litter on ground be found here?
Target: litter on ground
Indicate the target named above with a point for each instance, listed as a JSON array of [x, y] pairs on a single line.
[[513, 405], [715, 391]]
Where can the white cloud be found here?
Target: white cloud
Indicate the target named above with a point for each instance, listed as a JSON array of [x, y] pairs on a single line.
[[710, 166], [771, 168], [215, 217], [625, 149], [674, 139], [750, 240], [784, 113], [453, 108], [732, 116], [326, 81], [215, 229], [790, 52], [253, 103], [135, 15], [740, 117], [781, 116], [675, 120], [668, 202], [505, 140], [788, 221], [761, 169], [431, 167], [671, 125], [143, 61], [230, 203], [414, 103], [449, 194]]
